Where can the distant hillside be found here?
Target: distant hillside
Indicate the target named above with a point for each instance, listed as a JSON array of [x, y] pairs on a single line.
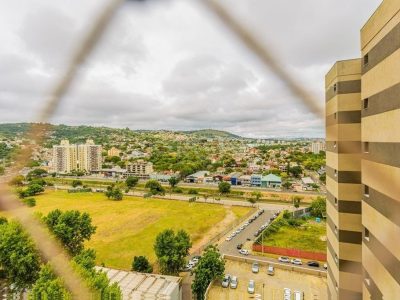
[[212, 133]]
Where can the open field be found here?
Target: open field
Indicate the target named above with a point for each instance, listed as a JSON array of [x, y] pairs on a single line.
[[309, 237], [129, 227]]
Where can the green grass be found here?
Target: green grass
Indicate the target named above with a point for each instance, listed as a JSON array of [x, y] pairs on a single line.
[[307, 237], [129, 227]]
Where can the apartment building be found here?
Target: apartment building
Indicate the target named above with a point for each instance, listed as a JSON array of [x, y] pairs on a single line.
[[71, 157], [317, 146], [343, 179], [363, 164], [141, 169]]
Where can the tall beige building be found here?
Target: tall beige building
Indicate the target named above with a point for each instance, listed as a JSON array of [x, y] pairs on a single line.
[[363, 164], [70, 157]]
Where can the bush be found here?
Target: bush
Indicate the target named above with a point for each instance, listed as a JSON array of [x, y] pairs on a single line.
[[155, 187], [193, 192], [30, 202], [141, 264], [177, 190]]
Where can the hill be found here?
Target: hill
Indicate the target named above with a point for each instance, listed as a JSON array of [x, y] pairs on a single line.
[[212, 133]]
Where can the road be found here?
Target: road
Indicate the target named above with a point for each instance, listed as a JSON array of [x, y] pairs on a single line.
[[229, 247]]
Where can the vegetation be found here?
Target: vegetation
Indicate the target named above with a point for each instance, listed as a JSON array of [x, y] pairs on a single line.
[[72, 228], [141, 264], [224, 187], [113, 192], [211, 266], [128, 228], [31, 202], [171, 250], [76, 183], [131, 182], [318, 207], [155, 187]]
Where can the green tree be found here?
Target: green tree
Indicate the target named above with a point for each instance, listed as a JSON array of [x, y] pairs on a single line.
[[71, 227], [296, 201], [131, 182], [76, 183], [296, 171], [32, 190], [155, 187], [224, 187], [36, 173], [173, 181], [114, 193], [318, 207], [2, 170], [48, 286], [18, 256], [171, 250], [287, 185], [322, 177], [256, 195], [211, 266], [141, 264]]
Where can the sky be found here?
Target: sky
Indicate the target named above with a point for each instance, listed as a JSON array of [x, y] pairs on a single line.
[[170, 64]]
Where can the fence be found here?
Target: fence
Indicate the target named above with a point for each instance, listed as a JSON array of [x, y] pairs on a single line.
[[290, 252]]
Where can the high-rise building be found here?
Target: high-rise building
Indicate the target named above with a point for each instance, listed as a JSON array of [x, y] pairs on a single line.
[[363, 164], [317, 147], [70, 157]]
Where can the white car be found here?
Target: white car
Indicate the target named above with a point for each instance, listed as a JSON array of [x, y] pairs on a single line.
[[296, 261], [228, 238], [284, 259], [251, 287], [226, 281], [234, 282], [195, 260], [244, 252], [286, 294], [255, 268]]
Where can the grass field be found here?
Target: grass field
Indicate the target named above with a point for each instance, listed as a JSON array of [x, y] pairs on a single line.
[[129, 227], [309, 237]]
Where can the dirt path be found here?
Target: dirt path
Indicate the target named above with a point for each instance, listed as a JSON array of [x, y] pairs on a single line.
[[215, 230]]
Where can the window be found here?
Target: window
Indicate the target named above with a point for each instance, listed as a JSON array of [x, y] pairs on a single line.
[[334, 145], [367, 281], [366, 190], [366, 147], [365, 103], [336, 202], [336, 259], [335, 116], [336, 229], [366, 234], [335, 173], [366, 59], [335, 87]]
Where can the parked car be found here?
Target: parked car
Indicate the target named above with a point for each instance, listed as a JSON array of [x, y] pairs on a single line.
[[226, 281], [296, 261], [313, 264], [287, 293], [284, 259], [297, 295], [251, 287], [244, 252], [255, 268], [195, 259], [239, 246], [271, 270], [234, 282], [228, 238]]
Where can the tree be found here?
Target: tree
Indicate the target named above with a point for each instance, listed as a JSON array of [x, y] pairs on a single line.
[[224, 187], [114, 193], [32, 190], [2, 170], [296, 201], [256, 195], [211, 266], [71, 227], [171, 250], [322, 177], [173, 182], [36, 173], [318, 207], [287, 185], [48, 286], [296, 171], [131, 182], [141, 264], [18, 256], [155, 187], [76, 183]]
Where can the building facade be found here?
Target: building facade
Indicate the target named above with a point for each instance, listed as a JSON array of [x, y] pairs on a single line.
[[71, 157], [141, 169], [318, 146], [113, 152], [363, 164]]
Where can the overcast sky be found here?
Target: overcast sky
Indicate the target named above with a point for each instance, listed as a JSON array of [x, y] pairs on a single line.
[[169, 64]]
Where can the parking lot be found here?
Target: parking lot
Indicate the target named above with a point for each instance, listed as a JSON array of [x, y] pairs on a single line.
[[268, 287]]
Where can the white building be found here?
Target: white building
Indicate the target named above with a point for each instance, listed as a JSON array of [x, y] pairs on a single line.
[[138, 286], [318, 146], [71, 157]]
